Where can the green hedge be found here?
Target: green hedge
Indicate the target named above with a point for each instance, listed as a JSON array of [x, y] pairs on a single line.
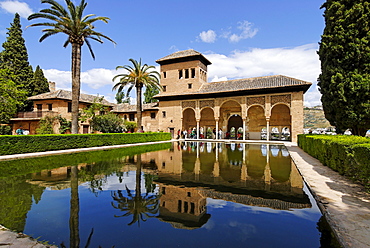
[[15, 144], [349, 155]]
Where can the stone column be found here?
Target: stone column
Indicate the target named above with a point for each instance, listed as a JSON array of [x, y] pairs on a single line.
[[198, 128], [216, 128], [268, 128], [244, 132]]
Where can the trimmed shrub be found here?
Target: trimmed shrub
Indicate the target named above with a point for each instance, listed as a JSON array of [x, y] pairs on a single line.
[[349, 155], [16, 144]]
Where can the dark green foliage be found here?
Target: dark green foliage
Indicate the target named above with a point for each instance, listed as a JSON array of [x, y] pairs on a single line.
[[10, 96], [109, 123], [15, 144], [46, 125], [39, 82], [149, 93], [349, 155], [5, 130], [345, 63], [14, 57]]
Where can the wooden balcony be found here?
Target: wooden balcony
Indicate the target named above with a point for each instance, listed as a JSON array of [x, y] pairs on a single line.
[[35, 114]]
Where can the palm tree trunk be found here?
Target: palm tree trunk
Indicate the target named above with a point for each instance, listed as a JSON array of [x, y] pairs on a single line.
[[76, 85], [74, 236], [139, 107]]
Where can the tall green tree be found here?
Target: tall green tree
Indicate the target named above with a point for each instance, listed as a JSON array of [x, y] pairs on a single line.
[[149, 93], [11, 96], [40, 82], [14, 57], [79, 30], [138, 75], [345, 64]]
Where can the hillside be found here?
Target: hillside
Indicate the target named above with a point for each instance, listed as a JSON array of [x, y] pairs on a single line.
[[315, 118]]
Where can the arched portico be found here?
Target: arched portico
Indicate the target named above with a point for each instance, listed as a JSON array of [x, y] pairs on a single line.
[[230, 116], [188, 119], [207, 121], [256, 121], [280, 121]]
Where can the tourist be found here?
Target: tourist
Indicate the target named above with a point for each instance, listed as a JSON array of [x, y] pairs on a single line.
[[19, 131]]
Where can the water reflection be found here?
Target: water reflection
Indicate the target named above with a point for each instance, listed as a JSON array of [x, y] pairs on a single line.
[[192, 186]]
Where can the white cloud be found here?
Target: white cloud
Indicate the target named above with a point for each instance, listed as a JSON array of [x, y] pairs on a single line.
[[246, 32], [300, 62], [208, 36], [16, 7]]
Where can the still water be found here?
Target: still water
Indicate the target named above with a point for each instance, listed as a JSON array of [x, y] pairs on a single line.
[[188, 195]]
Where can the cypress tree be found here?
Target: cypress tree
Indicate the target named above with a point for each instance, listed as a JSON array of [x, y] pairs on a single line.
[[14, 57], [39, 82], [345, 64]]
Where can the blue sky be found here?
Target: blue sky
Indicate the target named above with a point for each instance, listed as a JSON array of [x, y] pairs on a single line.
[[242, 38]]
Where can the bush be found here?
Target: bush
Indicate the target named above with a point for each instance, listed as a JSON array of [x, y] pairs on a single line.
[[5, 130], [349, 155], [15, 144]]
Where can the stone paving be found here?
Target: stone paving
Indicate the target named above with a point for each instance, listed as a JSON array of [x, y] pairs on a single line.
[[345, 204]]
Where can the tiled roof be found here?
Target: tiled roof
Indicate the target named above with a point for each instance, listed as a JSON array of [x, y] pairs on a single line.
[[67, 95], [126, 107], [182, 54], [251, 83], [245, 84]]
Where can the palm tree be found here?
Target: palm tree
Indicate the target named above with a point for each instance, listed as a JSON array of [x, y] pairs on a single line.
[[79, 30], [137, 76]]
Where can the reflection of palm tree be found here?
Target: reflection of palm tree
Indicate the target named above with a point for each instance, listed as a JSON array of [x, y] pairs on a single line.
[[140, 206]]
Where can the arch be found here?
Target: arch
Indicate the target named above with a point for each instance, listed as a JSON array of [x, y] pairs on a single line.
[[228, 109], [188, 119], [280, 119], [235, 122], [256, 121], [207, 120]]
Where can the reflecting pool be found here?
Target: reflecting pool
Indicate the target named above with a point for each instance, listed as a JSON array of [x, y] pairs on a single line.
[[189, 194]]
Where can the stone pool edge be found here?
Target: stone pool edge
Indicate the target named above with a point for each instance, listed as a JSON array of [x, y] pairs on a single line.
[[345, 204]]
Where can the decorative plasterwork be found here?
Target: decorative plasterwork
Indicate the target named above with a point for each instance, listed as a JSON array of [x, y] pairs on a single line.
[[188, 104], [256, 100], [281, 99], [207, 103]]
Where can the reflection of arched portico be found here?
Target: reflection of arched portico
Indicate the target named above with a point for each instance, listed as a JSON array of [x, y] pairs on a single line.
[[256, 121], [280, 119], [188, 119]]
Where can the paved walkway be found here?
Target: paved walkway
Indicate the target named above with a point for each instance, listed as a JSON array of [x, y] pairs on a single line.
[[345, 205]]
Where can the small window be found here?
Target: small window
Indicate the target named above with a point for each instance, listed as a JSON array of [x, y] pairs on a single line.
[[50, 107], [69, 107], [132, 117], [186, 73], [164, 114], [192, 72], [190, 86], [39, 107], [125, 117], [152, 115], [180, 74], [164, 88], [164, 74]]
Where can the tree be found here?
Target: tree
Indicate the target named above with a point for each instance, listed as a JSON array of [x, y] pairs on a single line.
[[108, 123], [79, 30], [137, 76], [121, 98], [11, 96], [14, 57], [345, 64], [39, 82], [149, 93]]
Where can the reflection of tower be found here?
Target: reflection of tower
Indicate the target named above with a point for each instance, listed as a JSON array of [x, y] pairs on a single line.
[[182, 207]]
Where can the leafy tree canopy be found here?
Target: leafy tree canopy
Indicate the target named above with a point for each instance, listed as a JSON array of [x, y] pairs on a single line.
[[149, 93], [345, 64], [11, 95]]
